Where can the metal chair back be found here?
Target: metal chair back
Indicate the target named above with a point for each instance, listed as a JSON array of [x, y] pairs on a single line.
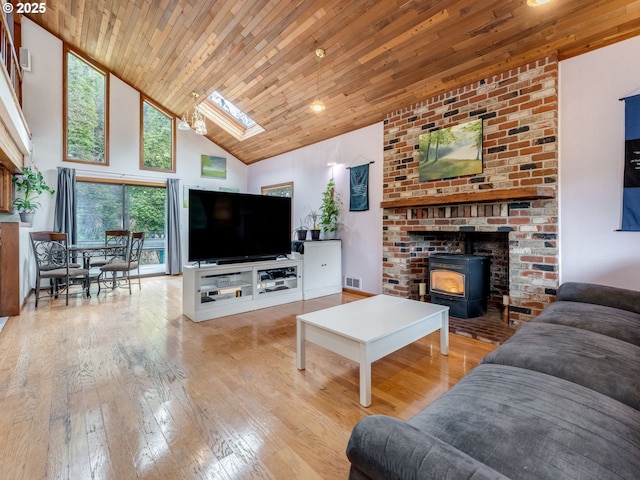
[[136, 242], [50, 250], [116, 238], [124, 268], [113, 239], [51, 253]]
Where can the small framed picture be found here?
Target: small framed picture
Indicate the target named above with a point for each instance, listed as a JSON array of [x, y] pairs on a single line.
[[278, 190], [213, 167]]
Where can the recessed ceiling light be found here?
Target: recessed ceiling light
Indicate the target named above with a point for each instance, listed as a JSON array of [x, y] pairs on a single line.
[[537, 3]]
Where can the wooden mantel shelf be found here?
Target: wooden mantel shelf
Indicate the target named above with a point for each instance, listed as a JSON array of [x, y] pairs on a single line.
[[480, 196]]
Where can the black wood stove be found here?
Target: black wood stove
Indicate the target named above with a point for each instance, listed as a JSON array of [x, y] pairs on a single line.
[[461, 282]]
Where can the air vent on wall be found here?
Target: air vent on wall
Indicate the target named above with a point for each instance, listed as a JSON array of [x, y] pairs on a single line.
[[25, 59], [351, 282]]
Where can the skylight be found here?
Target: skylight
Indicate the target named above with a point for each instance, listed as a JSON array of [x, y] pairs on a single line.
[[231, 109], [223, 112]]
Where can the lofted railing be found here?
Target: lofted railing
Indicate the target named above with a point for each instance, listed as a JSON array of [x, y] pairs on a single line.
[[15, 142], [10, 58]]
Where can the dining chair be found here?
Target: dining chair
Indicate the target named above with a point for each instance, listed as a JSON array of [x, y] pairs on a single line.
[[112, 239], [124, 267], [51, 251]]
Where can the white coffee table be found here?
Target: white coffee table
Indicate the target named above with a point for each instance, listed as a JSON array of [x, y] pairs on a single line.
[[366, 330]]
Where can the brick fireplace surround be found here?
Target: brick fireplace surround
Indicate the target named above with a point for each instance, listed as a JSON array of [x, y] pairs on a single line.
[[515, 195]]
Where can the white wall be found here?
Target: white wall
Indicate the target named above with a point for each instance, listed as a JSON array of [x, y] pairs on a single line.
[[591, 166], [42, 106], [361, 232]]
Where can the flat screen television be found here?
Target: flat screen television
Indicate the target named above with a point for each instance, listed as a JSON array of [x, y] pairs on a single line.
[[228, 227]]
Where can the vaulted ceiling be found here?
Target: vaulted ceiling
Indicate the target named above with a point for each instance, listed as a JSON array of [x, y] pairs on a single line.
[[380, 55]]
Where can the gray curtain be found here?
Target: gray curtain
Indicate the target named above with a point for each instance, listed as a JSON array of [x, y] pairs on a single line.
[[65, 209], [174, 251]]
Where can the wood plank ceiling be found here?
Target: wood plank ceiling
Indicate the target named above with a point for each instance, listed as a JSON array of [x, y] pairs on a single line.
[[380, 55]]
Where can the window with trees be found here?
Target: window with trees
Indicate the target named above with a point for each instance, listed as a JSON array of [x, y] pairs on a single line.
[[157, 150], [86, 116], [107, 205]]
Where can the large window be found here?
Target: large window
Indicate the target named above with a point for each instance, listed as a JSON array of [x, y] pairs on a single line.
[[135, 207], [157, 133], [86, 116]]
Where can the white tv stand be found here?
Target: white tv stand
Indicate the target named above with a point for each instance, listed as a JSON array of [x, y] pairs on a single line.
[[211, 291]]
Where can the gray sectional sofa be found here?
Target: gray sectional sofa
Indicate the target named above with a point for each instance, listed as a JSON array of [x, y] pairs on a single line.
[[560, 400]]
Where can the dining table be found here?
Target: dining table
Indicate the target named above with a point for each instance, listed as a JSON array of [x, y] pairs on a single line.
[[93, 251]]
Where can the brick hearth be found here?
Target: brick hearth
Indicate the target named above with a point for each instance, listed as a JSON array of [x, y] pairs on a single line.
[[488, 328], [519, 109]]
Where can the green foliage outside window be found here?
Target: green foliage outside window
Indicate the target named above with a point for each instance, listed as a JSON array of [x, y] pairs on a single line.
[[147, 209], [109, 206], [86, 114], [157, 139], [99, 208]]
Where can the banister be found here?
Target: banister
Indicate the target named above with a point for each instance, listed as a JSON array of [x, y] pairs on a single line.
[[10, 58]]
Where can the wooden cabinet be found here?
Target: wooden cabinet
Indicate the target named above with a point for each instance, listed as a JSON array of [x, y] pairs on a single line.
[[212, 291], [9, 269], [6, 190], [322, 268]]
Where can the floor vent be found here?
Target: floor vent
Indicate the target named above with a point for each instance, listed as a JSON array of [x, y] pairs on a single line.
[[351, 282]]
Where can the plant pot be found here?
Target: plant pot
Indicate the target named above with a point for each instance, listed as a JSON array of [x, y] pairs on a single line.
[[315, 234], [330, 235], [301, 234], [27, 217]]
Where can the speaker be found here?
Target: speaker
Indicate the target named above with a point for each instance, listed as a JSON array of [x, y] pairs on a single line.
[[25, 59]]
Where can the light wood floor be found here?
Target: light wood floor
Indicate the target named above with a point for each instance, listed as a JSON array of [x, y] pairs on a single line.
[[125, 387]]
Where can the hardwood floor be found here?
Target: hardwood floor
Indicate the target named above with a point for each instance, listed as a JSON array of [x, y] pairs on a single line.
[[125, 387]]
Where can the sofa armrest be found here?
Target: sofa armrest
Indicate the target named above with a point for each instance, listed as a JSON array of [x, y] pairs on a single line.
[[386, 448], [600, 295]]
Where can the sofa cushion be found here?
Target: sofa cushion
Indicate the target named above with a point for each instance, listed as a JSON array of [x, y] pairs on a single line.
[[604, 364], [386, 448], [529, 425], [613, 322], [614, 297]]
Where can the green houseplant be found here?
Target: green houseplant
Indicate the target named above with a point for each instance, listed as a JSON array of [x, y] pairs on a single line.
[[330, 210], [31, 184]]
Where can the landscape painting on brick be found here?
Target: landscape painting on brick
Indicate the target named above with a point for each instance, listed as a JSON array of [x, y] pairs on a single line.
[[451, 152]]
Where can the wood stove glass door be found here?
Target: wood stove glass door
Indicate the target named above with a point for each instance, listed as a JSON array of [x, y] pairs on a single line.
[[447, 282]]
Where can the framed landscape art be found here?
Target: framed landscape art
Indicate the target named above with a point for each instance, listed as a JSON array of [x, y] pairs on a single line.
[[451, 152], [213, 167]]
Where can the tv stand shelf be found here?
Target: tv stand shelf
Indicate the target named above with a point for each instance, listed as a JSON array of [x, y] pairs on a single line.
[[212, 291]]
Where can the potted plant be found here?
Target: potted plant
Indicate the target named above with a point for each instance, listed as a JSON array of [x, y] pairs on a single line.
[[330, 210], [315, 230], [301, 231], [30, 183]]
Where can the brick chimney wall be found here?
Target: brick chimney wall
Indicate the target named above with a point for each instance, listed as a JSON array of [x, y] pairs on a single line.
[[519, 109]]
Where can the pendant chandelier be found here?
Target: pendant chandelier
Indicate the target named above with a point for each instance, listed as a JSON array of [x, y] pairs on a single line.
[[197, 120], [317, 106]]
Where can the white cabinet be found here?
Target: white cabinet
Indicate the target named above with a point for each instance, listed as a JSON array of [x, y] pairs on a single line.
[[322, 268], [212, 291]]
